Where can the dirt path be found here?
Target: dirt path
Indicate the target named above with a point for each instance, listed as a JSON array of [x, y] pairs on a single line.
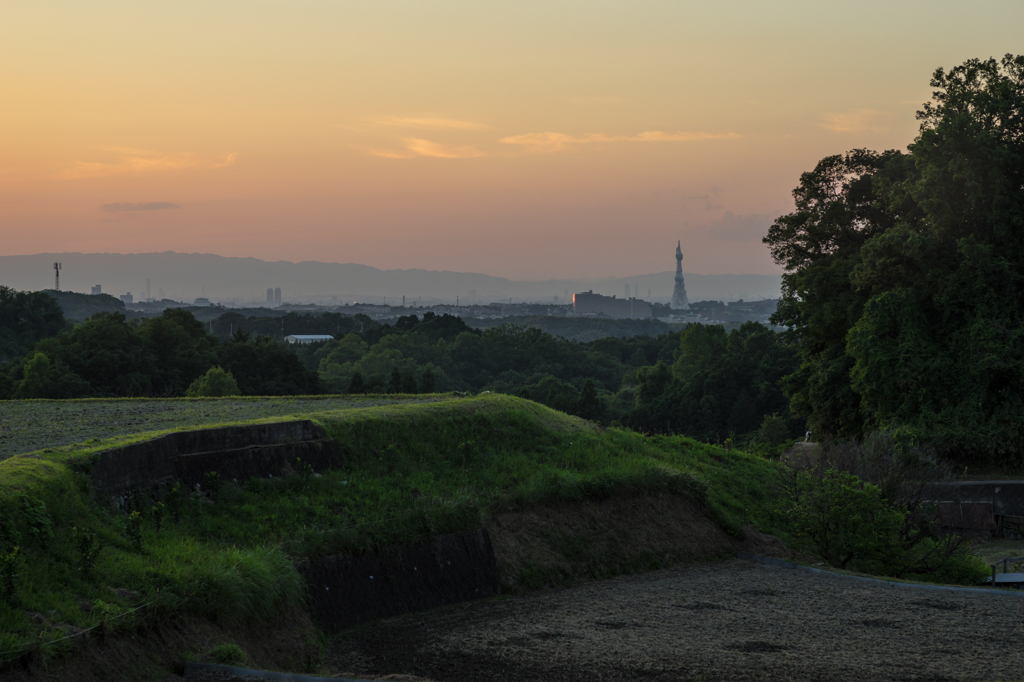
[[733, 620]]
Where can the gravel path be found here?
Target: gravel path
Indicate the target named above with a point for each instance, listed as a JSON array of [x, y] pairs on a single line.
[[733, 620]]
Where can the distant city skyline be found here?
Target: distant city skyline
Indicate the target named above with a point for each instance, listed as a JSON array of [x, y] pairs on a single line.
[[185, 277], [526, 140]]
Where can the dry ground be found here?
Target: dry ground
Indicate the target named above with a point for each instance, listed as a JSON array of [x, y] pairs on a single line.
[[732, 620]]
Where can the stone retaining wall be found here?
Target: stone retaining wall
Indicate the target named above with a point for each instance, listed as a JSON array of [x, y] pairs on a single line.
[[234, 452]]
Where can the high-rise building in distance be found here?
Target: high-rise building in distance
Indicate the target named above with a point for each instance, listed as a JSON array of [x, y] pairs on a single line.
[[679, 300]]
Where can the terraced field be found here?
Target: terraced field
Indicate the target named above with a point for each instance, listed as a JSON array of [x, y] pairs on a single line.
[[28, 425]]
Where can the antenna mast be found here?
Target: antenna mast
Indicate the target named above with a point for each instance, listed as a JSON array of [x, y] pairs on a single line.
[[56, 273]]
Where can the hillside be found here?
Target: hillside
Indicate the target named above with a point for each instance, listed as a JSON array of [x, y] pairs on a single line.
[[232, 552]]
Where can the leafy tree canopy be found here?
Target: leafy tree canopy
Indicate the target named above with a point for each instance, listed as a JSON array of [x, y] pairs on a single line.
[[904, 275]]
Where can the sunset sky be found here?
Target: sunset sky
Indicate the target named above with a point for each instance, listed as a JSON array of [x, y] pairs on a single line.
[[522, 139]]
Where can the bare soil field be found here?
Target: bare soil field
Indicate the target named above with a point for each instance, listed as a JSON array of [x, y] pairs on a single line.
[[732, 620], [28, 425]]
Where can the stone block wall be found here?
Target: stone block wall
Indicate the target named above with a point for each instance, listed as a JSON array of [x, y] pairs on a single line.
[[234, 452]]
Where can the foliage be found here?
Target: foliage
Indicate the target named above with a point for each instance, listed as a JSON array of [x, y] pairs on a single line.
[[213, 483], [718, 385], [846, 519], [583, 329], [88, 550], [108, 356], [901, 472], [427, 382], [25, 318], [216, 383], [156, 514], [80, 307], [773, 431], [228, 654], [902, 282], [37, 521], [133, 530]]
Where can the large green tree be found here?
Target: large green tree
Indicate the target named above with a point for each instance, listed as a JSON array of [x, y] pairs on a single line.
[[904, 275]]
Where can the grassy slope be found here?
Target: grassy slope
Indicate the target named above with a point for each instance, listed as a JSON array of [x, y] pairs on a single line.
[[412, 471]]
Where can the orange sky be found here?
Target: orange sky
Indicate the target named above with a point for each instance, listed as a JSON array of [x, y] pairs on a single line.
[[521, 139]]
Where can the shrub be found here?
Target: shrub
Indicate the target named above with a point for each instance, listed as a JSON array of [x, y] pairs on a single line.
[[215, 383], [213, 483], [228, 654], [773, 432], [88, 550], [156, 512], [40, 527], [133, 531], [846, 519]]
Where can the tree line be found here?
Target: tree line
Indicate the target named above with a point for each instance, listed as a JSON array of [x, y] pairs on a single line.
[[610, 380]]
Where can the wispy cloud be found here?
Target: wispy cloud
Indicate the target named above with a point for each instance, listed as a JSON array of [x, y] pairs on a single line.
[[440, 151], [855, 121], [416, 147], [428, 123], [144, 206], [125, 161], [549, 143]]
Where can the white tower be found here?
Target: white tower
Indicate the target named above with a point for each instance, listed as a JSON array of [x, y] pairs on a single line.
[[679, 300]]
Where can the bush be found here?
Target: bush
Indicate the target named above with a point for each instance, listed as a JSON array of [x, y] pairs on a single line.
[[40, 527], [846, 519], [88, 551], [773, 432], [133, 531], [215, 383], [228, 654]]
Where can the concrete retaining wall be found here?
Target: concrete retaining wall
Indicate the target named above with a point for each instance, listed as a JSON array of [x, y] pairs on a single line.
[[1006, 497], [452, 568], [234, 452]]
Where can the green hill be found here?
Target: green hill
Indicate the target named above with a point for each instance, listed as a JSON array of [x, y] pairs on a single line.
[[411, 472]]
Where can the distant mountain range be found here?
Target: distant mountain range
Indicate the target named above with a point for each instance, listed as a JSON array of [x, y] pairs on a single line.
[[244, 281]]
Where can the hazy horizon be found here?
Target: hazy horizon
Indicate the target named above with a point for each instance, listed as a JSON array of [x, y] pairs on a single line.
[[185, 276], [525, 140]]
